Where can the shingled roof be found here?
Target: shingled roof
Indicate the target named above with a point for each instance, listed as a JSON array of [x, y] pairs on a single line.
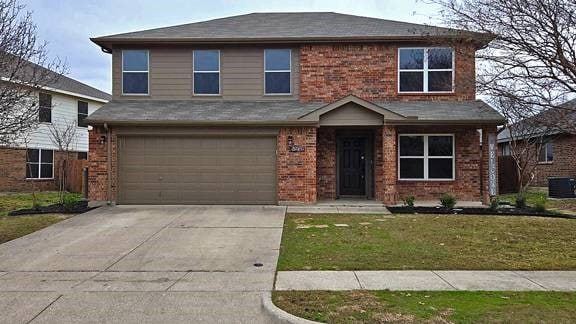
[[285, 27], [281, 112]]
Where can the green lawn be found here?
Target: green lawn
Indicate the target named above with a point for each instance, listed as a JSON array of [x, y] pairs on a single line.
[[17, 226], [12, 227], [449, 242], [12, 201], [532, 197], [429, 307]]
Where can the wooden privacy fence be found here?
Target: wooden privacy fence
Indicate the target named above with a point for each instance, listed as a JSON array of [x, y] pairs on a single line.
[[507, 175], [74, 176]]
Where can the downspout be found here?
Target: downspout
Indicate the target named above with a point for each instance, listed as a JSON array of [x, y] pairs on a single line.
[[109, 162]]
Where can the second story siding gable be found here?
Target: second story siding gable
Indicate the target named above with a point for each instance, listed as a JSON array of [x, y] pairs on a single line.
[[171, 73]]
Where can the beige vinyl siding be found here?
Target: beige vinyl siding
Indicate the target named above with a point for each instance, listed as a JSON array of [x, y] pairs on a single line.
[[351, 114], [241, 74]]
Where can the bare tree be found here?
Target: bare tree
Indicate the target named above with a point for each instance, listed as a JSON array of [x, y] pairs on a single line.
[[532, 58], [526, 138], [63, 136], [24, 70]]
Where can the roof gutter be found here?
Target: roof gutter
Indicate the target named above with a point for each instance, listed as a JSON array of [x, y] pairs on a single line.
[[200, 123], [105, 42]]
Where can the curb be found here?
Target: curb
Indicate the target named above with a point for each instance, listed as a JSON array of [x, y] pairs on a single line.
[[278, 315]]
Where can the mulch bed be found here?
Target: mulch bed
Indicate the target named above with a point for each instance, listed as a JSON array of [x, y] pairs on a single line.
[[508, 211], [78, 208]]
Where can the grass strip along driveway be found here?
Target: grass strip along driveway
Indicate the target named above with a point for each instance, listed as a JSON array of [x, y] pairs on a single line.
[[429, 307], [12, 227], [427, 242]]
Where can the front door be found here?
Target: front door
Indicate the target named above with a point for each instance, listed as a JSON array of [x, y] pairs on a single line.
[[352, 166]]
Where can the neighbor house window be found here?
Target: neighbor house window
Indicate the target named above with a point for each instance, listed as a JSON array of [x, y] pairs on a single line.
[[207, 72], [82, 113], [39, 164], [425, 69], [277, 69], [82, 155], [426, 157], [135, 72], [45, 108], [546, 153]]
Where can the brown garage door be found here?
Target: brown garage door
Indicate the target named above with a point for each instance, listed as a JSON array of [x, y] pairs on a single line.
[[197, 170]]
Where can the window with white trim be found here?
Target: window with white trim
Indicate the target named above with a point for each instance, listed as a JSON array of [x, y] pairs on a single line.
[[39, 164], [426, 157], [135, 68], [206, 72], [425, 69], [277, 71], [82, 113], [546, 154], [44, 107]]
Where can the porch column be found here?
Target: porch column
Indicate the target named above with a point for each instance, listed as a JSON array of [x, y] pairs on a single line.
[[387, 170], [489, 173]]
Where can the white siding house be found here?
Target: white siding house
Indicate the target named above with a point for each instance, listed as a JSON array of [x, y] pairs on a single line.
[[64, 111]]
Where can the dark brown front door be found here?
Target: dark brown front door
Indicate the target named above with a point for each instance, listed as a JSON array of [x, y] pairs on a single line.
[[352, 166]]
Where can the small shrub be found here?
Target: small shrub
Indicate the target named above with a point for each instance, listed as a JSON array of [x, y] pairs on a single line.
[[494, 203], [520, 201], [540, 203], [409, 201], [447, 201], [69, 201]]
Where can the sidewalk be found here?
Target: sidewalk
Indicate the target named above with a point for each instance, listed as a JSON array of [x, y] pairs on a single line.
[[427, 280]]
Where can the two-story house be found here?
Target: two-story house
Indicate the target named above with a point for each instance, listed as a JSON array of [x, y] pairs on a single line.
[[30, 163], [287, 108]]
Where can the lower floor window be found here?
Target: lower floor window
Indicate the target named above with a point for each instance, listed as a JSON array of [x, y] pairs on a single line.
[[39, 164], [546, 153], [426, 157]]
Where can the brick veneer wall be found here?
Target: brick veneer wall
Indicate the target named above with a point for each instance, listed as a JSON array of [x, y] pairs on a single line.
[[326, 163], [13, 172], [98, 165], [369, 71], [564, 164], [467, 184], [297, 170]]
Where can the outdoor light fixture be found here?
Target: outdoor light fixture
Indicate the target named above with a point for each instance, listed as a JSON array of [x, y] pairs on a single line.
[[102, 140]]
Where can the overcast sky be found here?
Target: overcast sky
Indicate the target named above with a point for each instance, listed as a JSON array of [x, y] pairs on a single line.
[[67, 25]]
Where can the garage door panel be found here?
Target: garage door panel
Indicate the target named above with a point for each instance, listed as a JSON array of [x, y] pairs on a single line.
[[197, 170]]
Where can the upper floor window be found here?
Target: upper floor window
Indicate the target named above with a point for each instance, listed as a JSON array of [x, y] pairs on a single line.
[[425, 69], [546, 154], [277, 68], [135, 72], [82, 113], [426, 157], [39, 164], [207, 72], [45, 108]]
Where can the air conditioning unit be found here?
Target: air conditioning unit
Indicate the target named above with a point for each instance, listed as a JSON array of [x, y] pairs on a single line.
[[561, 187]]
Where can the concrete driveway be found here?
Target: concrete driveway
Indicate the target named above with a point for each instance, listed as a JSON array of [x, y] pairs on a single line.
[[145, 264]]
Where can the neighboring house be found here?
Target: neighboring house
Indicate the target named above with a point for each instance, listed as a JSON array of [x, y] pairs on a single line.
[[291, 108], [556, 156], [30, 164]]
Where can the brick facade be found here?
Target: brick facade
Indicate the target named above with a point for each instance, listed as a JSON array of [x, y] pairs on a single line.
[[297, 170], [98, 165], [13, 172], [326, 163], [370, 71], [564, 164]]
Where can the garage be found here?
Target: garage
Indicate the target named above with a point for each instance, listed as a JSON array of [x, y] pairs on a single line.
[[202, 169]]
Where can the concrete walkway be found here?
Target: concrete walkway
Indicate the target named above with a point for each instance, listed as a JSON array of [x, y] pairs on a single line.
[[144, 264], [427, 280]]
